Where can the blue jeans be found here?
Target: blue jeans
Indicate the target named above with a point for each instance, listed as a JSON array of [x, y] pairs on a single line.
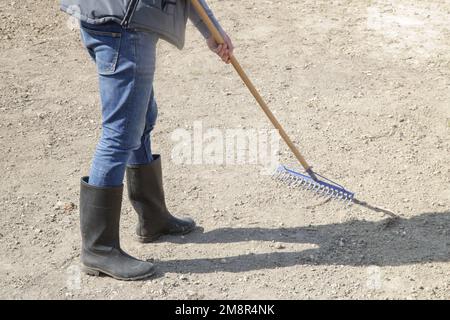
[[125, 61]]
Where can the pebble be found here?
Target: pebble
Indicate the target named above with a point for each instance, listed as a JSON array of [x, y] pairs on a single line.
[[279, 246], [70, 206], [192, 294], [67, 207], [183, 278], [58, 206]]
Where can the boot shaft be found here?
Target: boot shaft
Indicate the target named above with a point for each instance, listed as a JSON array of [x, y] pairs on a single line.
[[146, 193], [99, 216], [145, 187]]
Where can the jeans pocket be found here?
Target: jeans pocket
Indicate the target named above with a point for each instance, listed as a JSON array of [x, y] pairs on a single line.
[[104, 47]]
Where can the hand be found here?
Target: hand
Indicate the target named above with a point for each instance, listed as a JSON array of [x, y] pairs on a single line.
[[224, 51]]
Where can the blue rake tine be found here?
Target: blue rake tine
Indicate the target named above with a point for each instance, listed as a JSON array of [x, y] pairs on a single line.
[[324, 187]]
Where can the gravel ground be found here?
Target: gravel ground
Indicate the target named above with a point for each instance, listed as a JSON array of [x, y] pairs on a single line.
[[362, 86]]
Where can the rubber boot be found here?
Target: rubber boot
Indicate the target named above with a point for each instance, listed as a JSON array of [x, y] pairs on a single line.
[[146, 193], [99, 220]]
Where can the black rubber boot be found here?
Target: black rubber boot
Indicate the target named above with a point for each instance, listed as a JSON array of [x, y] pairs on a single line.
[[99, 220], [145, 189]]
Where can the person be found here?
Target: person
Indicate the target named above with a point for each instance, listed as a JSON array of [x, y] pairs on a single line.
[[121, 37]]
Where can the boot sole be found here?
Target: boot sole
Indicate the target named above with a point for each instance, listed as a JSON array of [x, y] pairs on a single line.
[[97, 273], [150, 239]]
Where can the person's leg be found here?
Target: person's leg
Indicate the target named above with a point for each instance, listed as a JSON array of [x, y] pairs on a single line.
[[144, 155], [126, 64], [146, 192]]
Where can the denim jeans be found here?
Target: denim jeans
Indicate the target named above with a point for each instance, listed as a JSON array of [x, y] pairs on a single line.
[[125, 62]]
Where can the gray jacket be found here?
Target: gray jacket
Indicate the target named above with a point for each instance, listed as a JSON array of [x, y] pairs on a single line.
[[166, 17]]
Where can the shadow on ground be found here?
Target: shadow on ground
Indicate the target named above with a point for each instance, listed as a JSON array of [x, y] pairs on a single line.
[[421, 239]]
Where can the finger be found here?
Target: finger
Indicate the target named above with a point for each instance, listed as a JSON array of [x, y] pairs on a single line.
[[224, 50], [229, 44]]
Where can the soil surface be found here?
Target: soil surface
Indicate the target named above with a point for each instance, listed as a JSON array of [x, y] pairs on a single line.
[[363, 87]]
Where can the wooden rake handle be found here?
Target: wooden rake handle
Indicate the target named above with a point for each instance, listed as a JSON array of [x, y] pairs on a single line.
[[220, 40]]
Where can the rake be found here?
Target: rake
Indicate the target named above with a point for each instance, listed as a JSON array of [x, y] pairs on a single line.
[[308, 180]]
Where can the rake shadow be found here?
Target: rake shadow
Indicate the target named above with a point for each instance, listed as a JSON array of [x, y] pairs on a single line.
[[421, 239]]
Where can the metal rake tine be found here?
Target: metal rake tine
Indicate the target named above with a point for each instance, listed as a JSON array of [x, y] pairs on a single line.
[[346, 199], [320, 188], [294, 181], [304, 184], [284, 177], [321, 191], [314, 188], [276, 174], [350, 201], [290, 180], [297, 182], [324, 192], [317, 189]]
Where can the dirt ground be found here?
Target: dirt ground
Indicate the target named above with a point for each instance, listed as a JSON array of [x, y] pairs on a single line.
[[362, 86]]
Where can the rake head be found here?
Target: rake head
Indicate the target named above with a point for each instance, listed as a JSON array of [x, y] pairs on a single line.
[[324, 187]]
